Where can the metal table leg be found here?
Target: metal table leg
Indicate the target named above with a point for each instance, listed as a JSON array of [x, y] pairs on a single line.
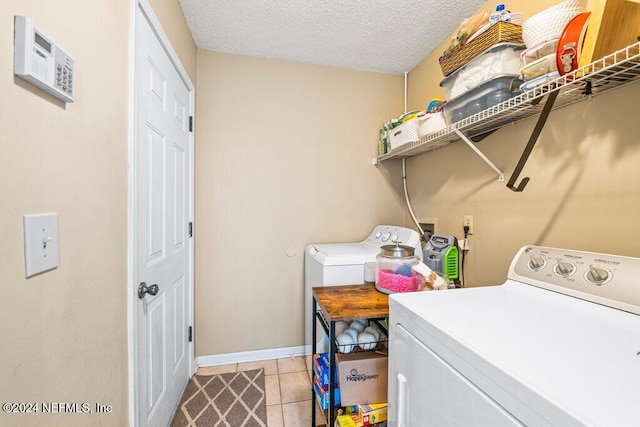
[[313, 351], [332, 370]]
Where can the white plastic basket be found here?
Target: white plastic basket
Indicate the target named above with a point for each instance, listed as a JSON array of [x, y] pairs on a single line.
[[550, 23], [431, 123], [403, 134]]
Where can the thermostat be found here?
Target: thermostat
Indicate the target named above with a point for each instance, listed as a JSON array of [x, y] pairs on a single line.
[[40, 61]]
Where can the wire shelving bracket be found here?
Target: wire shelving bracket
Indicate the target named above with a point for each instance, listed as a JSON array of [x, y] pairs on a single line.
[[481, 154]]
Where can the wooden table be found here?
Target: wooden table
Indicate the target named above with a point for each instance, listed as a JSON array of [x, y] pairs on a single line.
[[335, 303]]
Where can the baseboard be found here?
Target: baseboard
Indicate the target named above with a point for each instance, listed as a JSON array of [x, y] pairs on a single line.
[[252, 356]]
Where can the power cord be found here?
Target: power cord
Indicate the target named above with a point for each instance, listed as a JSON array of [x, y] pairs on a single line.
[[464, 252]]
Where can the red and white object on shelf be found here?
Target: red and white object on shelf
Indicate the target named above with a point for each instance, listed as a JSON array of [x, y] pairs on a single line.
[[570, 44]]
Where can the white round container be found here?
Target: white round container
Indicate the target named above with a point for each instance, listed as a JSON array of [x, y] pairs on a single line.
[[550, 23]]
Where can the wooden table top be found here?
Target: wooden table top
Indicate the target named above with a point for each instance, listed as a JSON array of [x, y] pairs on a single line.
[[351, 301]]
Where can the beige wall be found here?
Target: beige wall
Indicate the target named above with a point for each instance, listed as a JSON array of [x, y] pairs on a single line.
[[64, 332], [584, 191], [64, 336], [283, 159]]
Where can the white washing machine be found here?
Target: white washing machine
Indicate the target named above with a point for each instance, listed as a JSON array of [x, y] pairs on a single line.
[[327, 264], [558, 344]]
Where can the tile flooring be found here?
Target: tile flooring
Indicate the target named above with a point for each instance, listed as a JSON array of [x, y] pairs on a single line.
[[288, 389]]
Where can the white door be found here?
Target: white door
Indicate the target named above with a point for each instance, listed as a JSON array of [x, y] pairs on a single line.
[[161, 229]]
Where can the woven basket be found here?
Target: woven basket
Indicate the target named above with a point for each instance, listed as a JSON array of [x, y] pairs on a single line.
[[497, 33]]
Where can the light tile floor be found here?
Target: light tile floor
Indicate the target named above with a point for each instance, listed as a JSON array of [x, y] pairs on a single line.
[[288, 389]]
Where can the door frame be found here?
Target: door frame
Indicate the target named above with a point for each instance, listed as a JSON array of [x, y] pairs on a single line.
[[132, 297]]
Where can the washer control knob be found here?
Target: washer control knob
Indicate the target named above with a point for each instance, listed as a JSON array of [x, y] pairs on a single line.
[[536, 263], [378, 234], [564, 269], [394, 238], [597, 275], [385, 236]]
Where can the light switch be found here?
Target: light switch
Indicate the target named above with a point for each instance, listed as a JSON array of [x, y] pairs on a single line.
[[40, 243]]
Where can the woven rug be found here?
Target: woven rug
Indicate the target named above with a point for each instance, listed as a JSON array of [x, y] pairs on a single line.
[[235, 399]]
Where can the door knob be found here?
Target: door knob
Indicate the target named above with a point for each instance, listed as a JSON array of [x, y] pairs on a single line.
[[143, 289]]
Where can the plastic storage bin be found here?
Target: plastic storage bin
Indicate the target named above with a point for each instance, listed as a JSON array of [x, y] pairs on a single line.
[[498, 60], [530, 84], [540, 51], [542, 66], [484, 96]]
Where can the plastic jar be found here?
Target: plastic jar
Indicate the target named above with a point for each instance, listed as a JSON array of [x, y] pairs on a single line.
[[393, 269]]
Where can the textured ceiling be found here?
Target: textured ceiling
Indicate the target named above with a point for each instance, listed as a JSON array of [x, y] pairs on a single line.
[[390, 36]]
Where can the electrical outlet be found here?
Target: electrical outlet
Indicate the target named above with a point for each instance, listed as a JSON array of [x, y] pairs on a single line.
[[463, 244], [468, 222]]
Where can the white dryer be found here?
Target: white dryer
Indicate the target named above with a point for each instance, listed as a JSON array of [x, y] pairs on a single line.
[[327, 264], [558, 344]]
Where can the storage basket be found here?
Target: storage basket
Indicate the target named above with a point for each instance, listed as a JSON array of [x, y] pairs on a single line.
[[403, 134], [431, 123], [497, 33]]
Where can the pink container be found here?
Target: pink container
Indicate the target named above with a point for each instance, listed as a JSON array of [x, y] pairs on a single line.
[[390, 282]]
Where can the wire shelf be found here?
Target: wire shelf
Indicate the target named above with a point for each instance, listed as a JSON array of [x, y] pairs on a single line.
[[379, 345], [612, 71]]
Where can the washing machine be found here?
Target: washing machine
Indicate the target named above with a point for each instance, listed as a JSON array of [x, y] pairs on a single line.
[[328, 264], [558, 344]]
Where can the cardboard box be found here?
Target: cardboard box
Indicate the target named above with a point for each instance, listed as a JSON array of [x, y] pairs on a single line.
[[348, 421], [362, 377], [352, 420], [372, 414]]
